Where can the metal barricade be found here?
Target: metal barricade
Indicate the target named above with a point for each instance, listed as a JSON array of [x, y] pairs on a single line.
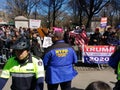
[[87, 66]]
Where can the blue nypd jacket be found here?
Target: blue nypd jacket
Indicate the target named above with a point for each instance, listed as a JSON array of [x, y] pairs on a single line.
[[58, 61]]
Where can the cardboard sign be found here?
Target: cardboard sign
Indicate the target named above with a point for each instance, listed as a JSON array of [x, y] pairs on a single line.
[[103, 22], [34, 23], [47, 42]]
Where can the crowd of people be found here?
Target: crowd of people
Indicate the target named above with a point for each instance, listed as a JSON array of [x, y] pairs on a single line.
[[30, 63], [9, 34], [109, 37], [76, 36], [27, 68]]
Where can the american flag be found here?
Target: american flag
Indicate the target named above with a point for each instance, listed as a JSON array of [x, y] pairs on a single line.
[[80, 38]]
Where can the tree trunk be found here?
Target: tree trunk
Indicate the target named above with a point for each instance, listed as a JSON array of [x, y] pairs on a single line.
[[88, 25]]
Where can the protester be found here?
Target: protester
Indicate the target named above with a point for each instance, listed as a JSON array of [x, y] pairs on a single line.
[[118, 32], [98, 85], [1, 32], [36, 48], [95, 38], [66, 36], [113, 39], [27, 71], [58, 61], [106, 35], [1, 41]]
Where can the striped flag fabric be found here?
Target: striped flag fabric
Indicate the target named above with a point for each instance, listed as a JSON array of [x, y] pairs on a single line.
[[80, 38]]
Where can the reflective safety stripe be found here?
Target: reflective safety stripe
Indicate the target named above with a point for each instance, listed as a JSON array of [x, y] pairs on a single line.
[[118, 71], [22, 74]]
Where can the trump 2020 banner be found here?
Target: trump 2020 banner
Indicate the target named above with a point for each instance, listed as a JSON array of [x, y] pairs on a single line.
[[97, 54]]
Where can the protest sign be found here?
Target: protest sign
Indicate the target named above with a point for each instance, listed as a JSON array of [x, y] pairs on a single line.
[[34, 23], [103, 22], [97, 54], [47, 42], [57, 29]]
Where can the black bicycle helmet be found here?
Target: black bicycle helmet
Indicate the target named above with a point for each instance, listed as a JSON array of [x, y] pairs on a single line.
[[21, 44]]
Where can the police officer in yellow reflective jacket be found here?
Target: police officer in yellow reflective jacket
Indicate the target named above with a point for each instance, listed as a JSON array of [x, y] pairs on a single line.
[[27, 72]]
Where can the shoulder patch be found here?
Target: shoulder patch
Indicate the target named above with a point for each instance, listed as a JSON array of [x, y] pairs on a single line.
[[40, 63]]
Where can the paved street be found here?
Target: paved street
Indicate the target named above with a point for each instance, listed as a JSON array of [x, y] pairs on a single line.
[[85, 76]]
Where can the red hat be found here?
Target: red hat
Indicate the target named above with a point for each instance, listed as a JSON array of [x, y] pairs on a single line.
[[97, 29]]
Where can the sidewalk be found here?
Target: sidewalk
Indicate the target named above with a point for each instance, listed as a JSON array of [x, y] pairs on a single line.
[[85, 76]]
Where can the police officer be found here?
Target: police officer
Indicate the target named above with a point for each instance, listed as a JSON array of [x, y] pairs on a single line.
[[114, 62], [58, 61], [27, 71]]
